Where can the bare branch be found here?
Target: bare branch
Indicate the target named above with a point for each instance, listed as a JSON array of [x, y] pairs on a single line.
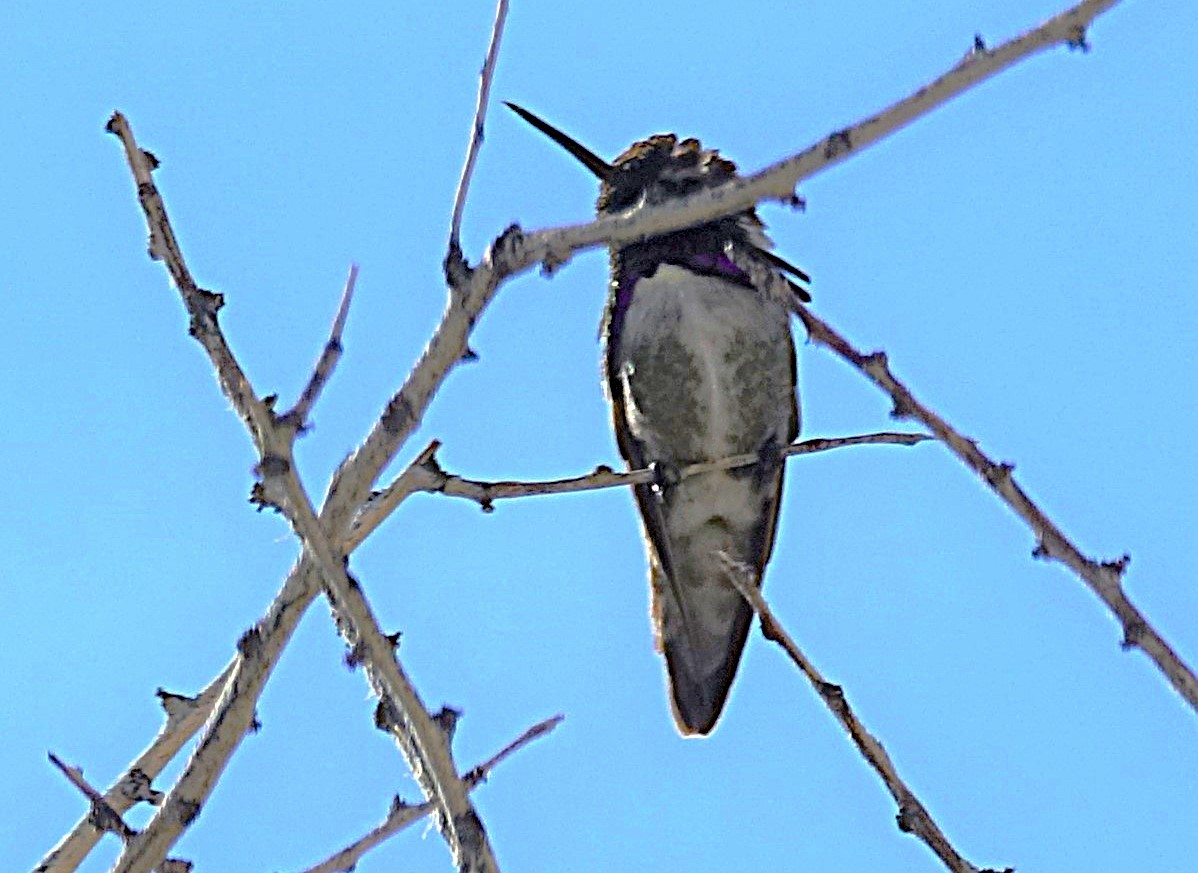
[[298, 414], [480, 115], [1103, 578], [913, 816], [485, 494], [202, 306], [778, 182], [425, 746], [403, 814], [184, 716], [102, 815]]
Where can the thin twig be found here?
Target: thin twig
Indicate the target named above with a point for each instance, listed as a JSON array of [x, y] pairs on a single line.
[[202, 306], [325, 364], [486, 493], [102, 815], [402, 814], [480, 115], [1103, 578], [913, 816]]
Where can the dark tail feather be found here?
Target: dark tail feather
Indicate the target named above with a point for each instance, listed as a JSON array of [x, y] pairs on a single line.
[[697, 698]]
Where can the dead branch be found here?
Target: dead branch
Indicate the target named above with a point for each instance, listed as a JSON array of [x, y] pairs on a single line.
[[401, 814], [437, 481], [1103, 578], [913, 817]]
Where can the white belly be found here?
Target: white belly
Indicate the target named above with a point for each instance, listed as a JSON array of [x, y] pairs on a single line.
[[705, 367]]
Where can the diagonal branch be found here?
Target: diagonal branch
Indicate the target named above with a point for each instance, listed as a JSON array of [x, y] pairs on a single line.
[[913, 816], [331, 354], [184, 716], [425, 746], [1104, 579], [403, 814]]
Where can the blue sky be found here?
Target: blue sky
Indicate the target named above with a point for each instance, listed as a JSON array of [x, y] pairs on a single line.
[[1026, 256]]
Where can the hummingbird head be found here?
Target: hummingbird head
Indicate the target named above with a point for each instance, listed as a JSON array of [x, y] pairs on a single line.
[[663, 168], [649, 172], [659, 169]]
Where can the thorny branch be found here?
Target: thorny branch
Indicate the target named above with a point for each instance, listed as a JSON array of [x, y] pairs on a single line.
[[913, 816], [424, 744], [403, 814], [1103, 578], [184, 716]]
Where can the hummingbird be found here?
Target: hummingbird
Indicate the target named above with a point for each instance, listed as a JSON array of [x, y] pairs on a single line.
[[698, 365]]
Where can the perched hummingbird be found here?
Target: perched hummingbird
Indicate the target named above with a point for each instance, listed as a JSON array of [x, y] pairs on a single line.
[[699, 365]]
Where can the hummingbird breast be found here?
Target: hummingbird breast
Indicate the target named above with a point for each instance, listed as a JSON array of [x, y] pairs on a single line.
[[705, 366]]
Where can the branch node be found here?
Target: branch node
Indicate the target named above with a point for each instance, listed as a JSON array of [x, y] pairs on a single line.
[[1134, 632], [354, 655], [902, 410], [137, 786], [508, 248], [397, 414], [250, 644], [447, 720], [875, 361], [796, 202], [1117, 567], [837, 144], [999, 474], [203, 305], [833, 695], [458, 271], [175, 704], [187, 810], [471, 834], [387, 717], [104, 818]]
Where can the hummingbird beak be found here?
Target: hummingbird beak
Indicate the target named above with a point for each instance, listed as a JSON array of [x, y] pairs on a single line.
[[589, 159]]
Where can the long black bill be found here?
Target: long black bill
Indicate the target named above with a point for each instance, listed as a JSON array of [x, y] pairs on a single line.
[[589, 159]]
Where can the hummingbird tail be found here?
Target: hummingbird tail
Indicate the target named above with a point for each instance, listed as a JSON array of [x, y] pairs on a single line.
[[701, 661]]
